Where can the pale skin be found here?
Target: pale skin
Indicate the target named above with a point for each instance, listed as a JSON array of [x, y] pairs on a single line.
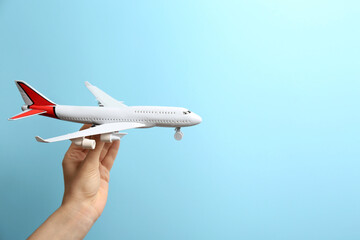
[[86, 179]]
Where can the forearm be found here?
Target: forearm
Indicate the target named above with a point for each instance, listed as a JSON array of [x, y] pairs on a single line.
[[67, 222]]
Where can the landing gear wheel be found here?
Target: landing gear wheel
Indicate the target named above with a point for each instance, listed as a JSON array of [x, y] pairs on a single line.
[[178, 135]]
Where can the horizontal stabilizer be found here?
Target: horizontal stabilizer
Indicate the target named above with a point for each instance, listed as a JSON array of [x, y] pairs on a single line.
[[27, 113]]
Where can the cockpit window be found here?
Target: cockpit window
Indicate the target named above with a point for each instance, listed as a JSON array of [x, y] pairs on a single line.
[[186, 112]]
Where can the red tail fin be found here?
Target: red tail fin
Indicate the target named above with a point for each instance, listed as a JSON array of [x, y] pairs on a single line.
[[35, 102], [31, 96]]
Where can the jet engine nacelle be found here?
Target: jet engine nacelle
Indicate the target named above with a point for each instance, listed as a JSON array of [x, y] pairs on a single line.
[[85, 143], [108, 137]]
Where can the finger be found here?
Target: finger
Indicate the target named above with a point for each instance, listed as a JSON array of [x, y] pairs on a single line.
[[75, 153], [75, 156], [104, 151], [111, 155], [92, 159]]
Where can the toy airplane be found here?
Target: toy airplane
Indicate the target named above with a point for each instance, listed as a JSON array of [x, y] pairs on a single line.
[[108, 119]]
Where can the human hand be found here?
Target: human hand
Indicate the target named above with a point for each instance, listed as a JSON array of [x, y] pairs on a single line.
[[86, 178]]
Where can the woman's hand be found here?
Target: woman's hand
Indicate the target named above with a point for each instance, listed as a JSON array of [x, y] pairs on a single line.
[[86, 177]]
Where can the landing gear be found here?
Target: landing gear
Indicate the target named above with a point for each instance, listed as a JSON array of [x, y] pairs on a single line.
[[178, 134]]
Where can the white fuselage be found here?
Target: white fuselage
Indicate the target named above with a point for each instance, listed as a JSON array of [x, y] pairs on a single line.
[[152, 116]]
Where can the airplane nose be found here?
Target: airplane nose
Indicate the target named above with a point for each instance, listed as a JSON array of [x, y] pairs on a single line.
[[198, 119]]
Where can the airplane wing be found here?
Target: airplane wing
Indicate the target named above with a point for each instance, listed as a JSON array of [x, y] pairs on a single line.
[[104, 99], [104, 128]]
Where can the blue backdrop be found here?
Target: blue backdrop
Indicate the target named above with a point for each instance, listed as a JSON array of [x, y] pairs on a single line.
[[276, 83]]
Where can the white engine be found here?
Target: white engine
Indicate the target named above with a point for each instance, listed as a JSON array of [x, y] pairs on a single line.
[[109, 137], [84, 143]]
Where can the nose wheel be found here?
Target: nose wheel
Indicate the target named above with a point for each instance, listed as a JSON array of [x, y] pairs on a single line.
[[178, 134]]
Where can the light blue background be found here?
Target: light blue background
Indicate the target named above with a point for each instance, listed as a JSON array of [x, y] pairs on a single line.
[[276, 83]]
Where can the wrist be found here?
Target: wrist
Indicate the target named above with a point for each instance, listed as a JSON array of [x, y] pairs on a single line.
[[77, 220], [79, 211], [69, 221]]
